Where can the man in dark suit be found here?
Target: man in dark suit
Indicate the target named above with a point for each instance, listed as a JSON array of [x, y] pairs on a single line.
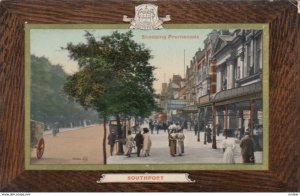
[[247, 148], [139, 139]]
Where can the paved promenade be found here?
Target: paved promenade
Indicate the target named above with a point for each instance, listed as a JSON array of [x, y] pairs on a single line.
[[195, 152]]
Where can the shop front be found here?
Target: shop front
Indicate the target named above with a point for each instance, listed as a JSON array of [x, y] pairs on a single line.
[[237, 110]]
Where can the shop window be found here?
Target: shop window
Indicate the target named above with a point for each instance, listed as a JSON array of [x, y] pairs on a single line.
[[258, 54], [258, 114], [249, 56], [238, 75], [224, 78], [235, 74]]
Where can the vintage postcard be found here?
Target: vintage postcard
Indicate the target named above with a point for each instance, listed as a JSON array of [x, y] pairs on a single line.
[[180, 97], [144, 97]]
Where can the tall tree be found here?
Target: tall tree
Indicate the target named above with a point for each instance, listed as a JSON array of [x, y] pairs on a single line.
[[48, 101], [115, 77]]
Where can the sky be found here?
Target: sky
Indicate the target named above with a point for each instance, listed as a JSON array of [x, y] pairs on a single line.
[[168, 50]]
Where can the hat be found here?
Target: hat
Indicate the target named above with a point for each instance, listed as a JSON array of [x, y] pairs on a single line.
[[146, 130]]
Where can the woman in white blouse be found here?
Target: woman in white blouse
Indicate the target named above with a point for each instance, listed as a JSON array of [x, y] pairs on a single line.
[[228, 146]]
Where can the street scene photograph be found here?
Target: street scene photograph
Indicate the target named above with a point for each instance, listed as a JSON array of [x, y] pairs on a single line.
[[149, 97]]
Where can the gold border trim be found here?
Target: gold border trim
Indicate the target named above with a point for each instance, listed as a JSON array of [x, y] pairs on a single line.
[[265, 82]]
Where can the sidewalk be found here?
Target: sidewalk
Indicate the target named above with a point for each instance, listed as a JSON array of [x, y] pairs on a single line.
[[49, 132], [195, 152]]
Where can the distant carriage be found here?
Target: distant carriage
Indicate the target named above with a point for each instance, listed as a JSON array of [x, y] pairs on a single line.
[[55, 129], [36, 140], [160, 122], [162, 117]]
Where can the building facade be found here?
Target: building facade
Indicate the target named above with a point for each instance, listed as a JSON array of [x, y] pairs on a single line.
[[237, 103], [172, 97], [223, 83]]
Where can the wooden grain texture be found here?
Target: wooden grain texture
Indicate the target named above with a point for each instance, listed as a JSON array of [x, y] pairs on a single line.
[[284, 92], [284, 102], [107, 12], [12, 96]]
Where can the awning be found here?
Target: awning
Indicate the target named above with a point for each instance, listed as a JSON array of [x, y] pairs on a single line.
[[189, 109], [175, 104], [235, 93]]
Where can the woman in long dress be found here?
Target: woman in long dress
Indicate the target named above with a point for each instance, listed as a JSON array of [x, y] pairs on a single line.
[[180, 139], [147, 142], [172, 142], [129, 144], [228, 146]]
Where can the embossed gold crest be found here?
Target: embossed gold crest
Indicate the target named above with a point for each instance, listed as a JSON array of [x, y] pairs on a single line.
[[146, 17]]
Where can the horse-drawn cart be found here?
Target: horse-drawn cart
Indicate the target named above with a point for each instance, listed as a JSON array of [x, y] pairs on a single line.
[[36, 139]]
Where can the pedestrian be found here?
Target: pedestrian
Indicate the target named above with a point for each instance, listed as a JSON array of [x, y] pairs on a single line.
[[165, 126], [55, 129], [129, 144], [189, 125], [111, 142], [184, 125], [242, 132], [228, 145], [180, 141], [196, 128], [178, 127], [247, 148], [236, 133], [218, 129], [151, 125], [172, 136], [146, 142], [155, 124], [139, 140], [159, 125], [208, 134], [255, 138], [172, 127]]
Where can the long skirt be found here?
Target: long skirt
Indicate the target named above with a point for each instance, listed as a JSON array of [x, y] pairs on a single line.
[[228, 156], [173, 147], [180, 147]]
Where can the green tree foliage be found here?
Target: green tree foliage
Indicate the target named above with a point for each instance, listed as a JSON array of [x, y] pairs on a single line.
[[49, 104], [115, 77]]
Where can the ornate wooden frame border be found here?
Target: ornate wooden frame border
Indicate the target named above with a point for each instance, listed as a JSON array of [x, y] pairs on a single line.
[[284, 153]]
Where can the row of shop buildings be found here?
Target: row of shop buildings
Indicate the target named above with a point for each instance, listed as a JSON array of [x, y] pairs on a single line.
[[222, 86]]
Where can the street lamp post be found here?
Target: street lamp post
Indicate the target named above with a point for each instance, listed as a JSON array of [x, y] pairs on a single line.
[[198, 127], [214, 142], [204, 136]]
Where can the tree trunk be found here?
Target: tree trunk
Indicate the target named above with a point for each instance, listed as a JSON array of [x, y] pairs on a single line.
[[120, 144], [125, 130], [104, 141], [129, 123]]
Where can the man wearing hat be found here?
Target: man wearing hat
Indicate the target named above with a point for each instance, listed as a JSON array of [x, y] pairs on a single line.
[[247, 148]]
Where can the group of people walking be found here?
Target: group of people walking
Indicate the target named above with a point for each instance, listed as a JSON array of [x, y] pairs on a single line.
[[176, 140], [142, 142], [247, 148], [157, 126]]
